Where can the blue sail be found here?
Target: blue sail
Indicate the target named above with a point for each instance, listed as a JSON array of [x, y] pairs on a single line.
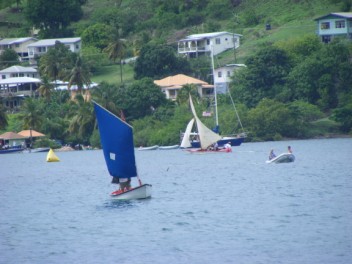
[[116, 138]]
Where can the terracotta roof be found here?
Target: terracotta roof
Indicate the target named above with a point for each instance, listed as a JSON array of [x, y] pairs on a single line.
[[179, 79], [27, 133], [11, 135]]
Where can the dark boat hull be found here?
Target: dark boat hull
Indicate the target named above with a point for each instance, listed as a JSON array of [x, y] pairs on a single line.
[[234, 142]]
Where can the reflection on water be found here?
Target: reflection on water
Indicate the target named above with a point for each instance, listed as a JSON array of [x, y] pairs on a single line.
[[226, 208]]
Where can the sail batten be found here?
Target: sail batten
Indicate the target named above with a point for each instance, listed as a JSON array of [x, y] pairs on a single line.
[[117, 142]]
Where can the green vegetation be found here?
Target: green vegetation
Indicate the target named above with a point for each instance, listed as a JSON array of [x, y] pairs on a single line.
[[293, 86]]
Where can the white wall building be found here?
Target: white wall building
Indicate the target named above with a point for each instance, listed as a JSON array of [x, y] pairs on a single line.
[[17, 44], [200, 44], [223, 76], [42, 46]]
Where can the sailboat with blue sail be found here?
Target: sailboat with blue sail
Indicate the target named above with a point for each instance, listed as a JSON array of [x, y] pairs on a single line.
[[116, 138]]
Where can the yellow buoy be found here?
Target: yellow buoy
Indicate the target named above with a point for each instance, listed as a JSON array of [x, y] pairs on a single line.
[[51, 157]]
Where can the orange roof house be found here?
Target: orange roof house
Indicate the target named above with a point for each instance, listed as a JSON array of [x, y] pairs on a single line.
[[12, 139], [27, 133], [11, 135], [172, 84]]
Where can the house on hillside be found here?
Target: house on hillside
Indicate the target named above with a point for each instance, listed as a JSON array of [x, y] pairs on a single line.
[[172, 84], [42, 46], [17, 44], [223, 76], [14, 90], [19, 71], [334, 25], [201, 44]]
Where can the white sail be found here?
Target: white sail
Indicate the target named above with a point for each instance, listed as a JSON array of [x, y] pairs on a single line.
[[185, 140], [207, 137]]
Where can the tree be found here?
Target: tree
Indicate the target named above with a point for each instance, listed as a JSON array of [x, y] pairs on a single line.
[[97, 35], [45, 88], [79, 75], [30, 114], [116, 50], [82, 119], [3, 117], [264, 76], [106, 95], [53, 17], [140, 98], [56, 62], [158, 61], [8, 58]]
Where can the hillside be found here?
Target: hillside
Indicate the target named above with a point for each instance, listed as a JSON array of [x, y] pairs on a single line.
[[288, 19]]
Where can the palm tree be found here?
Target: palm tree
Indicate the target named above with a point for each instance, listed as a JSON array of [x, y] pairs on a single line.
[[83, 120], [106, 97], [30, 115], [45, 88], [116, 50], [79, 75], [3, 117], [50, 66]]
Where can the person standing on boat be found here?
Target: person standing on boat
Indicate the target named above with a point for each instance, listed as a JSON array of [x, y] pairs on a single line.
[[125, 183], [289, 149], [271, 154]]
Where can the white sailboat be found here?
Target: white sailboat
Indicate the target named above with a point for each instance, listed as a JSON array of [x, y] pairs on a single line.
[[236, 140]]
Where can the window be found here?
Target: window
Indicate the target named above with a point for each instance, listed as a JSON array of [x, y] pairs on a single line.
[[17, 45], [325, 25], [3, 76], [21, 75], [340, 24], [219, 74], [208, 41], [77, 46], [217, 40], [228, 73]]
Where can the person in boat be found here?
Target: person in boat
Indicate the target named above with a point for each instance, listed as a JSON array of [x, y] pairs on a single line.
[[216, 146], [227, 146], [289, 149], [125, 183], [271, 154]]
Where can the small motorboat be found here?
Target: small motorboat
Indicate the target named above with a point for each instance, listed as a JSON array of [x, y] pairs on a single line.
[[140, 192], [282, 158]]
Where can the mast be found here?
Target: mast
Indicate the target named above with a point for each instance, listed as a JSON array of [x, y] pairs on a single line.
[[215, 92]]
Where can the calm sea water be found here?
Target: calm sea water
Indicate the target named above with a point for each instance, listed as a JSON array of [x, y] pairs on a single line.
[[210, 208]]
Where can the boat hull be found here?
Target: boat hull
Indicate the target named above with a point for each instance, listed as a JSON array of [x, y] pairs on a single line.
[[234, 142], [141, 192], [202, 151], [169, 147], [283, 158], [11, 150], [148, 148]]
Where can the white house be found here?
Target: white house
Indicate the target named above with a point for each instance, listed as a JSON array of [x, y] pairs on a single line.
[[17, 44], [42, 46], [19, 71], [223, 76], [334, 25], [172, 84], [200, 44]]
